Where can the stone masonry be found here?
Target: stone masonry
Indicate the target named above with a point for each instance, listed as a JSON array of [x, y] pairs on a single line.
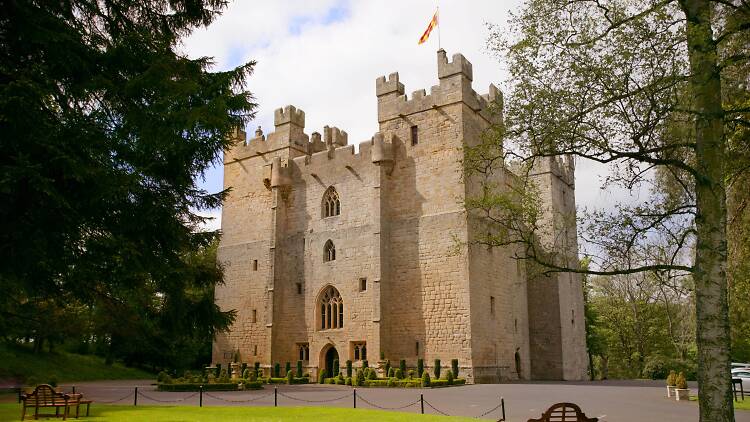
[[411, 282]]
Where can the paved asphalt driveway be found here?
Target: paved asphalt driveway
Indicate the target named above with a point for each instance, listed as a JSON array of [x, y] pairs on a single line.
[[610, 401]]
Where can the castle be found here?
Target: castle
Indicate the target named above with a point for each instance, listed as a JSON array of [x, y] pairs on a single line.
[[334, 255]]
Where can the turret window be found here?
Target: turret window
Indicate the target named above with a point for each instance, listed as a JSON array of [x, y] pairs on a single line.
[[331, 203]]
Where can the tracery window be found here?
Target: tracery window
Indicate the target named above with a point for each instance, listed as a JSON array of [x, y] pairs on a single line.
[[331, 309], [304, 352], [360, 350], [329, 251], [331, 203]]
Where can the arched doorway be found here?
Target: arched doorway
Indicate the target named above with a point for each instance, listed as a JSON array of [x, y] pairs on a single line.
[[330, 356]]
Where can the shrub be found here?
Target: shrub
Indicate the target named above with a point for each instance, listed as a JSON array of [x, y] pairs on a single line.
[[420, 367], [335, 367], [276, 370], [658, 367], [387, 366], [290, 377], [372, 374], [376, 383], [246, 374], [256, 365], [672, 378], [454, 367], [348, 381], [449, 377], [340, 379], [223, 377], [243, 368], [437, 368], [360, 379], [681, 381], [349, 368], [391, 373], [398, 373], [252, 376], [330, 380], [402, 365], [411, 374], [425, 379], [299, 368], [391, 382], [160, 377], [218, 370], [365, 364], [322, 376], [287, 367], [211, 378]]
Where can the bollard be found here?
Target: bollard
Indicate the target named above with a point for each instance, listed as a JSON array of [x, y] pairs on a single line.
[[200, 396], [135, 397], [275, 396], [355, 398], [421, 402], [502, 407], [74, 389]]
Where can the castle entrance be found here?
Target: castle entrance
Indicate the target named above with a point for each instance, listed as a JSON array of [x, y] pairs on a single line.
[[331, 356]]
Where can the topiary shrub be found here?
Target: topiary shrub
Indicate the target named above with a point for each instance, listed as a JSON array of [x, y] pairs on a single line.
[[218, 370], [246, 374], [681, 382], [299, 368], [391, 373], [160, 377], [256, 365], [349, 368], [365, 364], [387, 366], [287, 367], [437, 369], [290, 377], [449, 377], [335, 367], [391, 382], [252, 375], [420, 367], [672, 378], [243, 368], [425, 379], [402, 365], [360, 378], [348, 381], [276, 370], [398, 373], [411, 374], [454, 367], [372, 374], [322, 376]]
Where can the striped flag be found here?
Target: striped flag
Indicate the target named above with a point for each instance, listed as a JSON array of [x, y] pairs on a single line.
[[433, 23]]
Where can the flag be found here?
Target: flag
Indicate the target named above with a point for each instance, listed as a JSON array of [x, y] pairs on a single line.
[[433, 23]]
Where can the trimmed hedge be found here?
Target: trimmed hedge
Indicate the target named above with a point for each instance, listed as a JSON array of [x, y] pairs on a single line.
[[208, 387], [406, 383]]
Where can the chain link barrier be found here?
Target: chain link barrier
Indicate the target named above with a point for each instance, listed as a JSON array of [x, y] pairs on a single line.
[[435, 408], [359, 397], [112, 401], [237, 401], [315, 401], [489, 411], [167, 401]]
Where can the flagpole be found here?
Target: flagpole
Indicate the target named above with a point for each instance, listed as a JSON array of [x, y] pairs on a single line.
[[438, 13]]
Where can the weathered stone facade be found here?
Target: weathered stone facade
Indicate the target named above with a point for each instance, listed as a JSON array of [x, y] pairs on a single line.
[[411, 282]]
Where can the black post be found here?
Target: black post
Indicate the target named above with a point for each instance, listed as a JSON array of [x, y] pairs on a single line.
[[275, 396], [355, 398], [502, 406], [421, 402], [135, 397], [74, 389], [200, 396]]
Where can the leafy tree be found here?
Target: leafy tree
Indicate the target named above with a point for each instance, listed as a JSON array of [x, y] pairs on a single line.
[[637, 86], [106, 127]]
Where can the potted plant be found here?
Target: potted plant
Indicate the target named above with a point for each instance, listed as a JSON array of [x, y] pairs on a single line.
[[682, 391], [671, 382]]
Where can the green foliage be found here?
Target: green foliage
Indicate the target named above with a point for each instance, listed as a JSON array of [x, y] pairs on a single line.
[[360, 378], [437, 369], [348, 381], [277, 370], [387, 366], [256, 365], [449, 377], [365, 364], [287, 367], [335, 367], [160, 376], [299, 367], [411, 373], [402, 365], [659, 367], [681, 382], [672, 378], [223, 377], [391, 382], [243, 368], [454, 367], [425, 379], [398, 373], [349, 368], [391, 373], [322, 376], [420, 367], [290, 377], [371, 374]]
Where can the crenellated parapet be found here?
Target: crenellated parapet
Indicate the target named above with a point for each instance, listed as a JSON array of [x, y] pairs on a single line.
[[562, 167], [335, 137], [455, 87], [289, 115]]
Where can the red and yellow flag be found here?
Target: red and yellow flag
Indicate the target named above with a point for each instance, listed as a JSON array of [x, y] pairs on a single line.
[[433, 23]]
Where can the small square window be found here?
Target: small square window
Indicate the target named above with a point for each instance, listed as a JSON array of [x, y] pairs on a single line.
[[299, 288], [362, 284], [414, 135]]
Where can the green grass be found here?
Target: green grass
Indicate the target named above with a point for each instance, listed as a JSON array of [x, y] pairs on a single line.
[[738, 405], [21, 363], [12, 412]]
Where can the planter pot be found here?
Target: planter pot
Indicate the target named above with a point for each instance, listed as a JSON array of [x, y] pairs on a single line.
[[682, 394], [670, 390]]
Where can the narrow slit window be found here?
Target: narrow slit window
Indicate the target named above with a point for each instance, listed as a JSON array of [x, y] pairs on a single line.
[[255, 265], [414, 135], [417, 348], [492, 305], [299, 288], [362, 284], [255, 350], [255, 316]]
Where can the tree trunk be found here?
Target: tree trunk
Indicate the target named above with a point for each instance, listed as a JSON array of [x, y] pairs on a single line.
[[712, 317]]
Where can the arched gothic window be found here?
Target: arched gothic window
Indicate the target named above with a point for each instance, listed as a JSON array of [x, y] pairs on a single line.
[[329, 251], [331, 203], [331, 309]]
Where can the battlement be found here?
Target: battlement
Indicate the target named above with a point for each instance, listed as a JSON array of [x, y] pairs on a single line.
[[392, 85], [333, 136], [562, 167], [289, 114], [459, 65]]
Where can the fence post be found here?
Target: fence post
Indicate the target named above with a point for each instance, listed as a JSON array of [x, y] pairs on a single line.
[[421, 402], [74, 389], [275, 396], [355, 398], [200, 396], [502, 407], [135, 397]]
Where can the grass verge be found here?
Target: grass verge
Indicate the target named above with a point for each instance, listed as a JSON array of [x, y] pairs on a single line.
[[738, 405], [12, 412], [21, 363]]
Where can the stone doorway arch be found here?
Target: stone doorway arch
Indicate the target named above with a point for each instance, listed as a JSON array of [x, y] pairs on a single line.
[[327, 357]]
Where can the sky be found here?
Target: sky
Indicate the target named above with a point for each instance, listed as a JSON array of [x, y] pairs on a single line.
[[323, 57]]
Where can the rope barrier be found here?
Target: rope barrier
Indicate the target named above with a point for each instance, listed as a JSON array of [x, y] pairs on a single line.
[[489, 411], [384, 407], [114, 401], [315, 401], [435, 409], [168, 401], [237, 401]]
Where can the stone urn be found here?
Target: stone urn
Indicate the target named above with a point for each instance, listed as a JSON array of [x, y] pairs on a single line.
[[235, 370], [670, 390], [682, 394]]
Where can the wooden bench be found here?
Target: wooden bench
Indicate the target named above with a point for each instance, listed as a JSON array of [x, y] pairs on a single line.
[[44, 396], [564, 412]]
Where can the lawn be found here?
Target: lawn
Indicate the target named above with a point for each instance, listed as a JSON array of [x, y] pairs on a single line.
[[738, 405], [21, 363], [12, 412]]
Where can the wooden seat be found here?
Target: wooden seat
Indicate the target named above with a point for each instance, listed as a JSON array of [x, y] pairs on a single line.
[[564, 412], [45, 396]]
